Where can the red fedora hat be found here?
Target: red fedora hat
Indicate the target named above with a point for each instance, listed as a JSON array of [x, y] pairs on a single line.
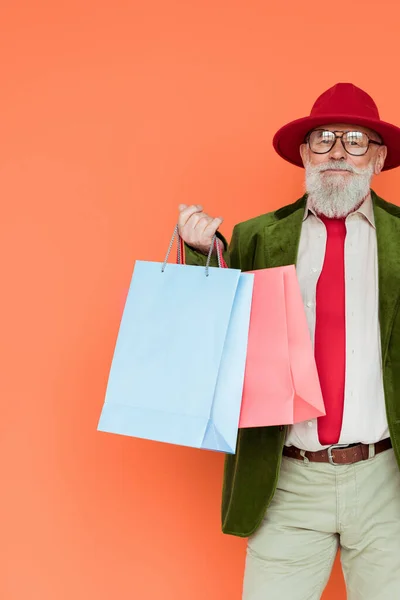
[[343, 103]]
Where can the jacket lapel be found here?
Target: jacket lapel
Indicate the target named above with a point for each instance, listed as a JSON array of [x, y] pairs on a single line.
[[388, 242], [283, 235]]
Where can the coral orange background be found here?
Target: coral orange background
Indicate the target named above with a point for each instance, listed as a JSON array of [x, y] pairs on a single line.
[[111, 114]]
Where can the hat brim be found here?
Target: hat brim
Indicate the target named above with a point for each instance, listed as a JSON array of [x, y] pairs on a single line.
[[288, 139]]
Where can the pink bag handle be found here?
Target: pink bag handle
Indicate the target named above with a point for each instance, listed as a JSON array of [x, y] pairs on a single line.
[[180, 255]]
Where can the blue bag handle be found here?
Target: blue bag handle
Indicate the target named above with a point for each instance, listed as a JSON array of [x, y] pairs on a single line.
[[180, 253]]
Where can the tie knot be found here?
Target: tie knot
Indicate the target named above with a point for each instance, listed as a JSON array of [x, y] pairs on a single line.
[[334, 226]]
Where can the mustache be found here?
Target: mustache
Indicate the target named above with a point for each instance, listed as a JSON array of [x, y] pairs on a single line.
[[339, 166], [334, 166]]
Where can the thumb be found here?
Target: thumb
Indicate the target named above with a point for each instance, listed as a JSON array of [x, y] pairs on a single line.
[[182, 206]]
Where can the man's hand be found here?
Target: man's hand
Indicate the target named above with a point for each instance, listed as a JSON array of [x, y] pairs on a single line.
[[196, 228]]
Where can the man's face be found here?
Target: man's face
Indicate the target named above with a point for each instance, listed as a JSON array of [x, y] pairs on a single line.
[[337, 182]]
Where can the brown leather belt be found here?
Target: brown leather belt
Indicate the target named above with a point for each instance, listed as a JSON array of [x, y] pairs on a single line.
[[338, 455]]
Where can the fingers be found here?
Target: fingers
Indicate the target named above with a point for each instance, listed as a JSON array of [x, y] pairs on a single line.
[[205, 228], [186, 212], [212, 226], [196, 227], [199, 221]]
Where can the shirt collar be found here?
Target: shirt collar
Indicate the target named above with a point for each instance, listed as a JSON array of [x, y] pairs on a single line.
[[366, 210]]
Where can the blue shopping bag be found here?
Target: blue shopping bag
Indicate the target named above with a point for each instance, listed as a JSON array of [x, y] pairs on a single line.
[[178, 367]]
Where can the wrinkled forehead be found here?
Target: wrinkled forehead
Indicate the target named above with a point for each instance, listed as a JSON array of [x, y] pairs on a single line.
[[349, 127]]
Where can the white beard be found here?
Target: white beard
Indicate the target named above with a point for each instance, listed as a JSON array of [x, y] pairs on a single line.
[[335, 195]]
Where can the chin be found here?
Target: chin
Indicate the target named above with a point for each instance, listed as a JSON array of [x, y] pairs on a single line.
[[336, 187]]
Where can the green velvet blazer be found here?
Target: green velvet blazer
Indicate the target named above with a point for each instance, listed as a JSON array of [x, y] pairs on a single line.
[[272, 240]]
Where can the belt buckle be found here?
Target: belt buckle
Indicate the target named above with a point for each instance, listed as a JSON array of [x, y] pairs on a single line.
[[330, 457]]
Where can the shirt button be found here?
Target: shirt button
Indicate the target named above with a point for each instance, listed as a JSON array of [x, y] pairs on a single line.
[[309, 304], [310, 423], [314, 270]]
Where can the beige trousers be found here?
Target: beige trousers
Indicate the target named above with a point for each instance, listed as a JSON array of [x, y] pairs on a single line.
[[318, 508]]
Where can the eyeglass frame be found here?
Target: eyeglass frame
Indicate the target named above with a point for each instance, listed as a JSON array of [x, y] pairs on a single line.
[[340, 137]]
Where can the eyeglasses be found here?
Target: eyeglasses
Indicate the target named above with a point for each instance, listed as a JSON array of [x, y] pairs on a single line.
[[321, 141]]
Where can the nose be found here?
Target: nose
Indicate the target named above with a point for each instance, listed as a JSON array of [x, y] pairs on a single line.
[[337, 152]]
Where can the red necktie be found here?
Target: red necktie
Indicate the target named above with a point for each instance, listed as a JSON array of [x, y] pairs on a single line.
[[330, 332]]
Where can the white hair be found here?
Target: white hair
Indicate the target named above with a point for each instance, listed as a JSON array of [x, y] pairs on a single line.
[[336, 195]]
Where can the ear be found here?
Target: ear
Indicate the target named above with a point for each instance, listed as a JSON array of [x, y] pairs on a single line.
[[304, 153], [380, 159]]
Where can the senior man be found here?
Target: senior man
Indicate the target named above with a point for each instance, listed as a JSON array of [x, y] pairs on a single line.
[[301, 492]]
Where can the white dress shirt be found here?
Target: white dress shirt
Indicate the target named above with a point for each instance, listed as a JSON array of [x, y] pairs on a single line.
[[364, 417]]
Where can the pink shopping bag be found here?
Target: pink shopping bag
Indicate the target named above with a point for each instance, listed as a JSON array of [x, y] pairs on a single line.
[[281, 384]]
